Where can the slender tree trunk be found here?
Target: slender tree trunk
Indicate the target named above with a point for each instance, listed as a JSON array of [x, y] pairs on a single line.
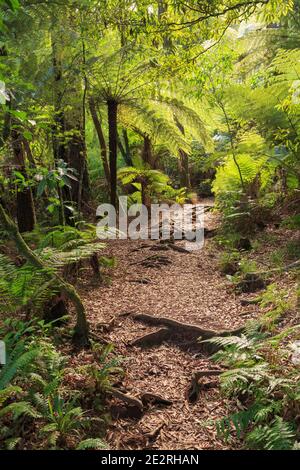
[[185, 170], [29, 153], [125, 149], [147, 152], [101, 138], [72, 121], [184, 160], [25, 205], [112, 107], [58, 143], [76, 157]]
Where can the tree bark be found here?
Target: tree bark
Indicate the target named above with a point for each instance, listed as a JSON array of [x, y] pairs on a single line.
[[185, 170], [25, 204], [112, 107], [147, 152], [101, 139]]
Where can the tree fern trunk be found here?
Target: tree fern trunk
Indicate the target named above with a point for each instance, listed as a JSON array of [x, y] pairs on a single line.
[[112, 107]]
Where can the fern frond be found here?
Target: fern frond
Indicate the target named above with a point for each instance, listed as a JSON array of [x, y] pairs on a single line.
[[92, 443]]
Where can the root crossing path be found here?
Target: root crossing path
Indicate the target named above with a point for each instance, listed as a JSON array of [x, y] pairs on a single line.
[[170, 408]]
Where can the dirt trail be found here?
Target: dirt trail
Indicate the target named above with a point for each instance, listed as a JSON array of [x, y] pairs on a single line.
[[190, 289]]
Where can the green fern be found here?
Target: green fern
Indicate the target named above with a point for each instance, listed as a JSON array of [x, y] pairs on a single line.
[[279, 435], [91, 443]]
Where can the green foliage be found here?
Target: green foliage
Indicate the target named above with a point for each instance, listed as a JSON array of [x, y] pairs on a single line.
[[292, 222], [151, 185], [262, 379], [33, 390]]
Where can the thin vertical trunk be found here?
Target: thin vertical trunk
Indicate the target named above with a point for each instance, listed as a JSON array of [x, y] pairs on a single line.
[[25, 205], [101, 138], [112, 107], [184, 160], [185, 170], [127, 147], [124, 149], [76, 156], [72, 121], [147, 152]]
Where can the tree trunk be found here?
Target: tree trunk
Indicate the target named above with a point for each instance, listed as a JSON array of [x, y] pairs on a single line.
[[76, 156], [147, 152], [184, 160], [125, 150], [112, 107], [185, 171], [101, 139], [72, 121], [58, 130], [25, 205]]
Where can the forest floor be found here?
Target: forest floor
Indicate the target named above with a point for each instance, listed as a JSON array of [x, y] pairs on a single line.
[[190, 289]]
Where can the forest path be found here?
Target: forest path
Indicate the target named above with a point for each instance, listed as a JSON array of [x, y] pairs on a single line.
[[190, 289]]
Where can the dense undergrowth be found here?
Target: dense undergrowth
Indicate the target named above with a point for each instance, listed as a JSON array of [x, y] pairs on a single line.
[[45, 402]]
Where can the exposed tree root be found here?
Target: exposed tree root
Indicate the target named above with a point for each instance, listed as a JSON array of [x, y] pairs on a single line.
[[132, 401], [285, 268], [195, 387], [153, 435], [153, 399], [178, 248], [184, 327], [152, 339], [254, 301], [141, 281], [206, 373], [160, 247]]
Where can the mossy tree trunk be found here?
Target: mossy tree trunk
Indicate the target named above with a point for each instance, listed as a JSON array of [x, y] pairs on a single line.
[[81, 330]]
